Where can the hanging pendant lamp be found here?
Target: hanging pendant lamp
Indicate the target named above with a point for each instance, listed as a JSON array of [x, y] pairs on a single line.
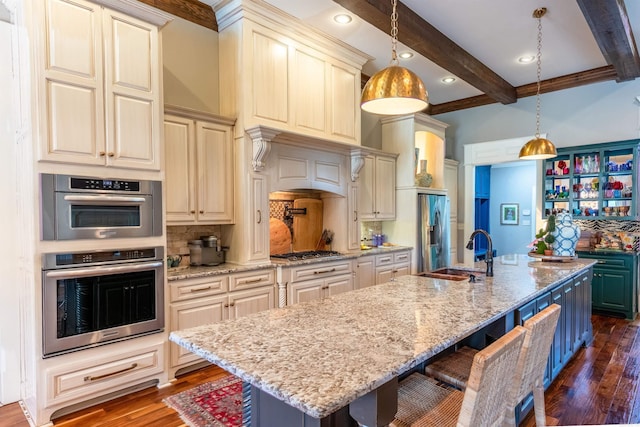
[[394, 90], [538, 148]]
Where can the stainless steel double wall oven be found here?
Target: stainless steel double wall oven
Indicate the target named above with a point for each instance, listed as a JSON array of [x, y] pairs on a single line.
[[93, 297]]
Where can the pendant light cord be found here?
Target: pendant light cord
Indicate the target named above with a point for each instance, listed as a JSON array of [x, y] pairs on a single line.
[[538, 14], [394, 32]]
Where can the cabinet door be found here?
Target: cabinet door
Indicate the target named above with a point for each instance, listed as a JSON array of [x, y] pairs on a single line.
[[344, 95], [556, 345], [270, 71], [194, 313], [242, 303], [309, 115], [72, 93], [401, 270], [567, 314], [132, 92], [366, 272], [384, 274], [385, 188], [258, 218], [180, 182], [615, 289], [215, 173], [309, 290], [367, 189], [353, 227], [337, 285]]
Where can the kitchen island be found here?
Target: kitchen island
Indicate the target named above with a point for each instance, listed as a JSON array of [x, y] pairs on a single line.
[[323, 362]]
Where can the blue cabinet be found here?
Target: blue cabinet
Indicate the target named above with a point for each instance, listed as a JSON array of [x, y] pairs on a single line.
[[573, 330], [614, 287], [593, 182]]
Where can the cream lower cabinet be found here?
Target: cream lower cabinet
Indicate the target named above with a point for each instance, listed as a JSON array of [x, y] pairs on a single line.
[[199, 169], [391, 265], [211, 299], [318, 281], [99, 86], [366, 271], [378, 188]]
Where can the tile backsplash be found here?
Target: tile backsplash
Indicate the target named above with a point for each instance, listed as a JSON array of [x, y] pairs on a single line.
[[178, 237]]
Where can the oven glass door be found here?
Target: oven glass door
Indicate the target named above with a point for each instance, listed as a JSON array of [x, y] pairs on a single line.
[[85, 306], [83, 216]]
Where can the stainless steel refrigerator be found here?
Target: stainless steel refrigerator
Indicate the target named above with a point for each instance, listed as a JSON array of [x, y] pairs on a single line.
[[434, 233]]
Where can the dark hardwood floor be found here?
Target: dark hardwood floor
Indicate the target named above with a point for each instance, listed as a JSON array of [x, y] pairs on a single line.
[[598, 386]]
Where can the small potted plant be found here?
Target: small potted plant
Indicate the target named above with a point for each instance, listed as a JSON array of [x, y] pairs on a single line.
[[544, 238]]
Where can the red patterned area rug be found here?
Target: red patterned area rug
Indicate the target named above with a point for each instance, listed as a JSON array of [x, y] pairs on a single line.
[[212, 404]]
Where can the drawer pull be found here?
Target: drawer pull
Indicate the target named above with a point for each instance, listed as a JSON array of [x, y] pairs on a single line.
[[325, 271], [601, 262], [252, 281], [200, 289], [121, 371]]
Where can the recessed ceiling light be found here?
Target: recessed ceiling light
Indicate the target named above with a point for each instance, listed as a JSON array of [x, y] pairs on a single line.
[[342, 18], [406, 55], [527, 59], [448, 80]]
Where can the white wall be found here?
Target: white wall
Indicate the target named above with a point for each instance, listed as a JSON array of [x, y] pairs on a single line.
[[9, 289], [190, 66]]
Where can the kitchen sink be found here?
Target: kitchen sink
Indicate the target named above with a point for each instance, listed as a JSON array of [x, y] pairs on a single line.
[[458, 274]]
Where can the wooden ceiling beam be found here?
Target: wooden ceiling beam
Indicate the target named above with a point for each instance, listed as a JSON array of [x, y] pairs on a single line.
[[426, 40], [569, 81], [191, 10], [611, 28]]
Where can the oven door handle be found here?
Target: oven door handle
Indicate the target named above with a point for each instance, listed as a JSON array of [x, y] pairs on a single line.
[[72, 273], [101, 199]]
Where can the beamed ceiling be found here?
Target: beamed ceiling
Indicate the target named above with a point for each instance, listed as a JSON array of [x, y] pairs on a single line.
[[607, 20]]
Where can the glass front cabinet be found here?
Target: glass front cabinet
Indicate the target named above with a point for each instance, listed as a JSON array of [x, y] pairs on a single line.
[[592, 182]]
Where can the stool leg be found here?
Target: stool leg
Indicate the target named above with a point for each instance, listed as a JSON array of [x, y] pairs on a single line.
[[538, 405]]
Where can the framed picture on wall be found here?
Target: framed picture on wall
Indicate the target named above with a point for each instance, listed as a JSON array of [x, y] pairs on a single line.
[[509, 213]]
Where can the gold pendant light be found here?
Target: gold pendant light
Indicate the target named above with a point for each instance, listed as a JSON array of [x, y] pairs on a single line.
[[538, 148], [394, 90]]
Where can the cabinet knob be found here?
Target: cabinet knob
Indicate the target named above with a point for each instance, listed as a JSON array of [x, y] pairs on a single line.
[[355, 216], [232, 304], [102, 154], [201, 212], [259, 212], [193, 212], [111, 154]]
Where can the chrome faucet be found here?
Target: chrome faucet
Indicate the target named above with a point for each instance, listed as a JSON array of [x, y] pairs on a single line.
[[489, 257]]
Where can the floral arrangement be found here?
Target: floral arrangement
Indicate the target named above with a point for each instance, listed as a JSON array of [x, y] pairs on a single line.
[[544, 238]]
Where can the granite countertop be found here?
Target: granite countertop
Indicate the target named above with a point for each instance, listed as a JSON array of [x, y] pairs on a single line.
[[190, 272], [320, 356]]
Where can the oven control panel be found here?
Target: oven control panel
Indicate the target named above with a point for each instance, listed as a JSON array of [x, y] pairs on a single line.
[[103, 184], [99, 257]]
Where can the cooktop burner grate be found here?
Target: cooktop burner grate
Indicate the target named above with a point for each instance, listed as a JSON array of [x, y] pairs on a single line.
[[296, 256]]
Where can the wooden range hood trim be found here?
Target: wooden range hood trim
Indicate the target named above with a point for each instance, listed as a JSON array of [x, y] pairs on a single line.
[[263, 136]]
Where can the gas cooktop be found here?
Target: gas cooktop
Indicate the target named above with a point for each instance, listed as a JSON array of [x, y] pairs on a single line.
[[297, 256]]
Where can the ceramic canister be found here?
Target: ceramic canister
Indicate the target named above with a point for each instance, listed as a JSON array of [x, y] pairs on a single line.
[[566, 234]]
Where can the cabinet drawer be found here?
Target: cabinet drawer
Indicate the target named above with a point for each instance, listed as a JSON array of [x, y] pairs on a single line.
[[401, 257], [320, 270], [81, 379], [251, 279], [614, 263], [384, 259], [195, 288]]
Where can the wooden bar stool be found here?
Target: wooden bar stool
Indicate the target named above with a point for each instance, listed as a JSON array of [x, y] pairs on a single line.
[[454, 368], [423, 402]]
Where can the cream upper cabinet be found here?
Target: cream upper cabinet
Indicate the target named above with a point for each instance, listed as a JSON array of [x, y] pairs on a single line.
[[287, 76], [378, 188], [451, 184], [99, 87], [199, 170]]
